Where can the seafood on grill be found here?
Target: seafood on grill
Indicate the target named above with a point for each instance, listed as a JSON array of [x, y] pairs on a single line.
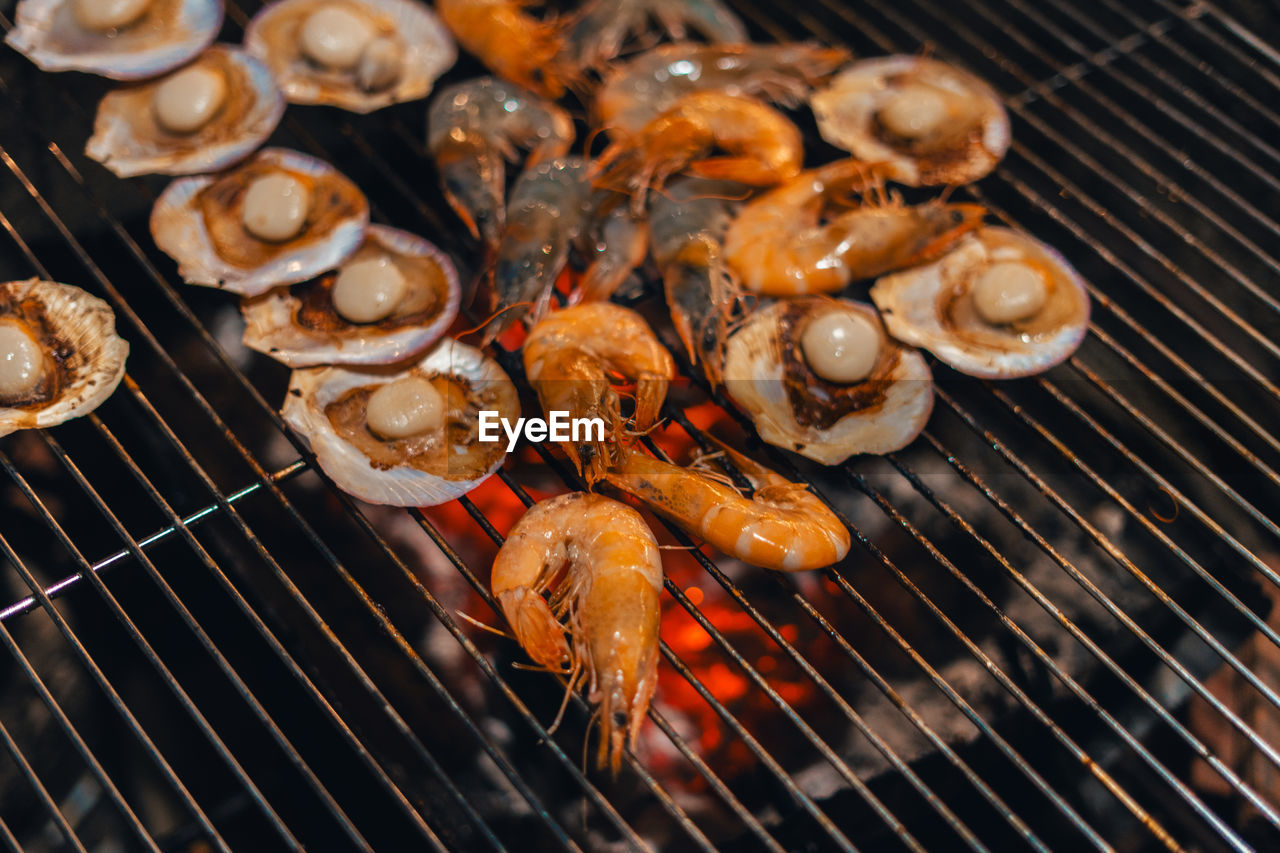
[[648, 84], [604, 26], [120, 39], [600, 565], [60, 356], [782, 526], [473, 129], [933, 122], [570, 357], [999, 306], [408, 437], [203, 117], [278, 218], [513, 44], [360, 55], [390, 301], [759, 146], [819, 377], [687, 224], [804, 237]]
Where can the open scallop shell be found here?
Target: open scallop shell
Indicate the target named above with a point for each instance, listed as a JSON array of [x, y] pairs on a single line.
[[313, 390], [792, 408], [129, 141], [80, 330], [930, 307], [169, 34], [847, 113], [179, 228], [272, 323], [429, 51]]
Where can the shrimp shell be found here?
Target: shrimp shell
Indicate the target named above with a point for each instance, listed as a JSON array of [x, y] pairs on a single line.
[[604, 26], [606, 569], [511, 43]]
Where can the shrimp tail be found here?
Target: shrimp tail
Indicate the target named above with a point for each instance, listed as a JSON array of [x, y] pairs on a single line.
[[703, 297], [535, 627], [473, 178]]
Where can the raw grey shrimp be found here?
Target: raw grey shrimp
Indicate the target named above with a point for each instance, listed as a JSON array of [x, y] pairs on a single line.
[[473, 128], [687, 223], [762, 146], [613, 243], [511, 43], [569, 357], [782, 526], [605, 25], [546, 214], [648, 84], [780, 245], [601, 622]]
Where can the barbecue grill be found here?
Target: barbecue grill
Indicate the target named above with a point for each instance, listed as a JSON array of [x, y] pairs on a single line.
[[1056, 629]]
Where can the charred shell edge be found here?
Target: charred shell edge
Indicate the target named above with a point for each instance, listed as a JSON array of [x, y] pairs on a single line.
[[78, 316], [996, 131], [986, 363], [311, 389], [759, 391], [112, 132], [429, 52], [270, 327], [201, 19], [180, 233]]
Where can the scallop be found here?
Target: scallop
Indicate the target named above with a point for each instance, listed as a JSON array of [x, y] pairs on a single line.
[[60, 356], [404, 438], [360, 55], [819, 376], [932, 122], [120, 39], [202, 118], [393, 299], [999, 306], [279, 218]]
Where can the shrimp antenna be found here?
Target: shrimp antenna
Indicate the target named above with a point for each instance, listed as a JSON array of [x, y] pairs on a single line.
[[482, 626], [591, 140], [491, 318], [666, 194], [945, 195]]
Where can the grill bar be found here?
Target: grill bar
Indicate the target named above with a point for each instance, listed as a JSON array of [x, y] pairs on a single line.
[[56, 817], [223, 507]]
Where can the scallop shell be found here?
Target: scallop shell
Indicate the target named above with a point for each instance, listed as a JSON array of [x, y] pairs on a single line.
[[920, 306], [179, 230], [85, 327], [755, 370], [128, 141], [47, 33], [429, 52], [271, 326], [847, 108], [313, 389]]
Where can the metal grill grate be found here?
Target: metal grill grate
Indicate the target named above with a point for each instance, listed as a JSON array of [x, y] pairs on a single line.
[[1055, 633]]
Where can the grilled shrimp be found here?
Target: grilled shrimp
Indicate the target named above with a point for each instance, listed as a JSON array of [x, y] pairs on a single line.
[[650, 83], [763, 146], [473, 128], [569, 357], [601, 623], [605, 25], [779, 246], [511, 43], [547, 212], [688, 223], [783, 526]]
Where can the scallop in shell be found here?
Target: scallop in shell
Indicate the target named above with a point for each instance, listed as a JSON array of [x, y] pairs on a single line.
[[820, 377], [120, 39], [229, 97], [360, 55], [60, 356], [935, 123], [203, 223], [332, 408], [999, 306], [326, 321]]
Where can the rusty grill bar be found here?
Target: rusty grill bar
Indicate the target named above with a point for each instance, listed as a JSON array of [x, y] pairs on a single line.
[[271, 667]]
